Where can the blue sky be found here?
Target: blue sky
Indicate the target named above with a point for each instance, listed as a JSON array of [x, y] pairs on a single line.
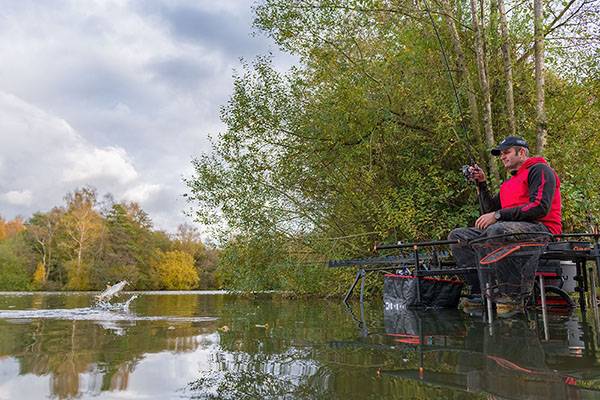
[[119, 95]]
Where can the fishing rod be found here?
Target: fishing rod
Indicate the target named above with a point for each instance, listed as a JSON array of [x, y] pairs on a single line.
[[466, 169]]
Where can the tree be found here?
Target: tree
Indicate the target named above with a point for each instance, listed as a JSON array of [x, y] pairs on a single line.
[[39, 276], [360, 141], [187, 239], [15, 268], [83, 226], [540, 81], [41, 231], [11, 228], [2, 228], [206, 267], [507, 61], [484, 83], [127, 245], [463, 68], [174, 270]]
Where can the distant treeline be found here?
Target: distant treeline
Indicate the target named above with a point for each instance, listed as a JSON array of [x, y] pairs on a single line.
[[87, 243]]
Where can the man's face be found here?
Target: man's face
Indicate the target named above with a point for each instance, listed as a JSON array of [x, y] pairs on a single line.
[[511, 159]]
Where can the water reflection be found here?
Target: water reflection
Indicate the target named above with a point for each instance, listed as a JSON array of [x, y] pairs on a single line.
[[509, 359], [170, 346], [86, 351]]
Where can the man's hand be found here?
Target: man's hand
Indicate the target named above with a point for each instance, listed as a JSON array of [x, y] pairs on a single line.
[[478, 174], [485, 220]]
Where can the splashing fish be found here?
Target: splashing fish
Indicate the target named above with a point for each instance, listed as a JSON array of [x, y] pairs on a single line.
[[111, 291]]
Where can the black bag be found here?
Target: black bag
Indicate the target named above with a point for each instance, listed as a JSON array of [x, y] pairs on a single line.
[[415, 323], [400, 291]]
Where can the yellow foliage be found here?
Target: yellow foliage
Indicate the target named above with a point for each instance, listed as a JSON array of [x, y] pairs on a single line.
[[2, 228], [78, 276], [15, 226], [174, 270], [40, 273], [11, 228]]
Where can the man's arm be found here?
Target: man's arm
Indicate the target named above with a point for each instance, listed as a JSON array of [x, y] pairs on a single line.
[[542, 185], [489, 202]]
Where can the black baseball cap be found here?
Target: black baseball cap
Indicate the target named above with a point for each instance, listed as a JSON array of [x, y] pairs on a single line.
[[510, 141]]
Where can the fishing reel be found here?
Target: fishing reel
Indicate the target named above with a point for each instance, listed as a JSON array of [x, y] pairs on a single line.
[[468, 173]]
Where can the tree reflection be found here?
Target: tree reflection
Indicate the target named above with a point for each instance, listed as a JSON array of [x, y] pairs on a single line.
[[255, 385], [86, 356]]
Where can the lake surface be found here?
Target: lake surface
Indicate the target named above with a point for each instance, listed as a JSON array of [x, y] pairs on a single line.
[[203, 345]]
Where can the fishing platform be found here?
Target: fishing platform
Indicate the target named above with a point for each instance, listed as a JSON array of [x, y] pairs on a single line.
[[562, 271]]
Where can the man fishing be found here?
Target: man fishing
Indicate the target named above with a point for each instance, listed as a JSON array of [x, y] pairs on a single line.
[[529, 201]]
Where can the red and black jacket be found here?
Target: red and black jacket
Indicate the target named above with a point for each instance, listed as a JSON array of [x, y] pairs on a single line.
[[531, 194]]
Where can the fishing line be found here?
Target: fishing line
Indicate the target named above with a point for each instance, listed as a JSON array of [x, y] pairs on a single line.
[[466, 172], [462, 118]]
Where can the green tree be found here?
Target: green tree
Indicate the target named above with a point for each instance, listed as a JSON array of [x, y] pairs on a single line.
[[363, 142], [15, 266], [41, 234], [127, 247], [206, 267]]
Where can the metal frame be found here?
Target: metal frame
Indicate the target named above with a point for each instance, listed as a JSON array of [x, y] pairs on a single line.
[[580, 257]]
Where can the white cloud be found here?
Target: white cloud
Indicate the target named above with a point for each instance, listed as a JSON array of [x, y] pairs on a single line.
[[18, 198], [88, 164], [142, 193]]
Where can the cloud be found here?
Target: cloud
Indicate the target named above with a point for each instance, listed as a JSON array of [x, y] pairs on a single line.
[[223, 26], [120, 95], [86, 163], [18, 198], [142, 193], [42, 151]]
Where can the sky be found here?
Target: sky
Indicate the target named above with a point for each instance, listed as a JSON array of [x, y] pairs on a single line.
[[119, 95]]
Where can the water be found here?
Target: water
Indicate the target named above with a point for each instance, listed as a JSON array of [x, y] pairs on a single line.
[[197, 345]]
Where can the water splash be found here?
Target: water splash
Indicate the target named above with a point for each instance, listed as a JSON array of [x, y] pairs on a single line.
[[106, 305], [102, 312]]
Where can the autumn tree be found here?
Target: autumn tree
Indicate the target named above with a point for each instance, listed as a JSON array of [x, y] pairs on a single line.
[[84, 227], [11, 228], [2, 228], [174, 270], [188, 239], [87, 243]]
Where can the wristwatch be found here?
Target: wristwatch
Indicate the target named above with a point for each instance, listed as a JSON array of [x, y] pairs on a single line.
[[497, 215]]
